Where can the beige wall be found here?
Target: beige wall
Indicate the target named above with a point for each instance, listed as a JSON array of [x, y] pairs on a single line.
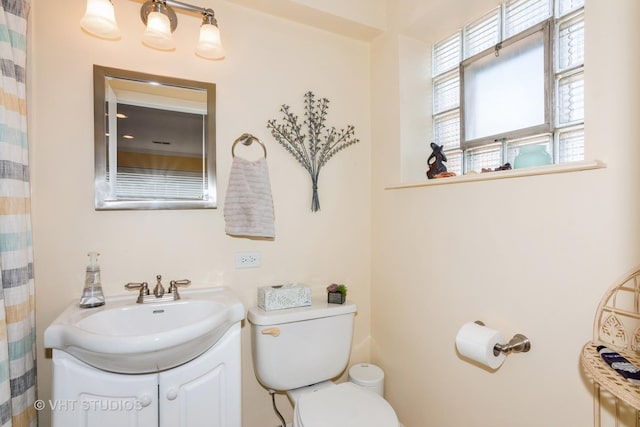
[[530, 255], [359, 19], [270, 61]]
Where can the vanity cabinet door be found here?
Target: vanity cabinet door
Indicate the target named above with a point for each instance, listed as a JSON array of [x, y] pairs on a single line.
[[88, 397], [205, 392]]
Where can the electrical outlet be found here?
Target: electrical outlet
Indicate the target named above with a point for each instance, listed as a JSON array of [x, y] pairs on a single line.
[[247, 259]]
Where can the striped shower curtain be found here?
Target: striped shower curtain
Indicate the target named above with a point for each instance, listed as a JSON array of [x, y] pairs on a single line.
[[17, 317]]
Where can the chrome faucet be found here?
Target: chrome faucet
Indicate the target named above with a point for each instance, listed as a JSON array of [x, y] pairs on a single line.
[[159, 293]]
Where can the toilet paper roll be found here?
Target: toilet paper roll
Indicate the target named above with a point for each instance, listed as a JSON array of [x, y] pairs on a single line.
[[476, 342]]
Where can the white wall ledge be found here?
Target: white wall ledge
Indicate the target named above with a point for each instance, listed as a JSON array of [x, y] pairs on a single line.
[[513, 173]]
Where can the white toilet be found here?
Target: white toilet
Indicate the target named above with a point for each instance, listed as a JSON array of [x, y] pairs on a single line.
[[299, 350]]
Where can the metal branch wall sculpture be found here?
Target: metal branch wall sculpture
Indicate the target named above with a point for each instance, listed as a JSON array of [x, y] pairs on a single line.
[[313, 149]]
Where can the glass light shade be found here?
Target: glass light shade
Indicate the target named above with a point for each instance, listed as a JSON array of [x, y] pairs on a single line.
[[99, 19], [209, 44], [158, 33]]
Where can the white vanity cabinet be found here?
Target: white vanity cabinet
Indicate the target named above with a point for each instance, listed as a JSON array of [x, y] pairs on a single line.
[[205, 391], [86, 396]]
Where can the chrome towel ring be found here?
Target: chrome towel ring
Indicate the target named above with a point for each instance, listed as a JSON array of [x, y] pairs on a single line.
[[247, 139]]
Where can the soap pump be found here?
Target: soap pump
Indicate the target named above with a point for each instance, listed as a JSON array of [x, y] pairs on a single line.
[[92, 295]]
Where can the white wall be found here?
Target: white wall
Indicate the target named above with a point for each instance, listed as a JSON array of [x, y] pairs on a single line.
[[270, 61], [529, 255]]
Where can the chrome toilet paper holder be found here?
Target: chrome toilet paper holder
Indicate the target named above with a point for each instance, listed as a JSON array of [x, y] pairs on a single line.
[[518, 344]]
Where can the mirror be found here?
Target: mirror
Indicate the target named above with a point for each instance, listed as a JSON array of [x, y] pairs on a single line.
[[154, 141]]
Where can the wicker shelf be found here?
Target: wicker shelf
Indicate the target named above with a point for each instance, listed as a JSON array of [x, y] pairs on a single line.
[[609, 379], [616, 326]]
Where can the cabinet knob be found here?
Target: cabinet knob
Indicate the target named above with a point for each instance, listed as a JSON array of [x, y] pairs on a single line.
[[172, 394], [145, 400]]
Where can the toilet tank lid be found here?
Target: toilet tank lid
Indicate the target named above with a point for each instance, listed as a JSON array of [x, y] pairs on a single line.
[[316, 310]]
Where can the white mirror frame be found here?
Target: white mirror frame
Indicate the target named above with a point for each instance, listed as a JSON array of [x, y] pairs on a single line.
[[102, 201]]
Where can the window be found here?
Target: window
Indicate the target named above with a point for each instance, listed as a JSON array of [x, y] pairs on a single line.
[[478, 74], [506, 89]]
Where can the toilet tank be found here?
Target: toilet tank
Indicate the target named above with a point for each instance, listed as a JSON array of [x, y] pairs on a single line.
[[297, 347]]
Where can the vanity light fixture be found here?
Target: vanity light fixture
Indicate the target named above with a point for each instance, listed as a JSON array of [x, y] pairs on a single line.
[[160, 21]]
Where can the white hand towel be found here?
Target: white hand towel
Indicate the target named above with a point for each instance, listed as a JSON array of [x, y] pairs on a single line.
[[248, 206]]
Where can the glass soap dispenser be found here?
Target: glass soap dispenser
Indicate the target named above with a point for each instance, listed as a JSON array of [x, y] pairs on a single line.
[[92, 295]]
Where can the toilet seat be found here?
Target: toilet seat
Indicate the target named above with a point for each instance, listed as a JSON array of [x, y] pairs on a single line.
[[344, 405]]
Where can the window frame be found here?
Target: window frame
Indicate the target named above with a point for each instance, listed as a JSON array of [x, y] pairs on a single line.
[[545, 28], [565, 139]]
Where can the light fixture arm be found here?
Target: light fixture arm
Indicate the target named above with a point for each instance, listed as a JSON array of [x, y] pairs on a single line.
[[186, 6], [165, 6], [209, 17]]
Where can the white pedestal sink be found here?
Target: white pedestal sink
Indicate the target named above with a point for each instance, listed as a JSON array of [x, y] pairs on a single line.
[[125, 337]]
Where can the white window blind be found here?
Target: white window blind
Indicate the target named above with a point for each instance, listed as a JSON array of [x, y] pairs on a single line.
[[570, 81], [446, 92], [522, 14], [571, 144], [570, 50], [487, 156], [447, 130], [454, 161], [571, 99], [482, 34], [136, 183], [566, 6], [446, 54]]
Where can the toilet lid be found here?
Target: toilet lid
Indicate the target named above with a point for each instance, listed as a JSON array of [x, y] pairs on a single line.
[[345, 405]]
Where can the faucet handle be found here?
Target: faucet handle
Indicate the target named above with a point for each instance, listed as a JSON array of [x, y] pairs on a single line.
[[173, 287], [144, 287], [183, 282], [144, 290]]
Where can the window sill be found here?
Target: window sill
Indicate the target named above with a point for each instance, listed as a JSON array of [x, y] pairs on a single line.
[[514, 173]]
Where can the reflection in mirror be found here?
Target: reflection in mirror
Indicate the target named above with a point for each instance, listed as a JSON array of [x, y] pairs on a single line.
[[154, 141]]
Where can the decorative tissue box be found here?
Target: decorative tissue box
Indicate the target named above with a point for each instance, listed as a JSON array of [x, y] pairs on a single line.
[[283, 296]]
